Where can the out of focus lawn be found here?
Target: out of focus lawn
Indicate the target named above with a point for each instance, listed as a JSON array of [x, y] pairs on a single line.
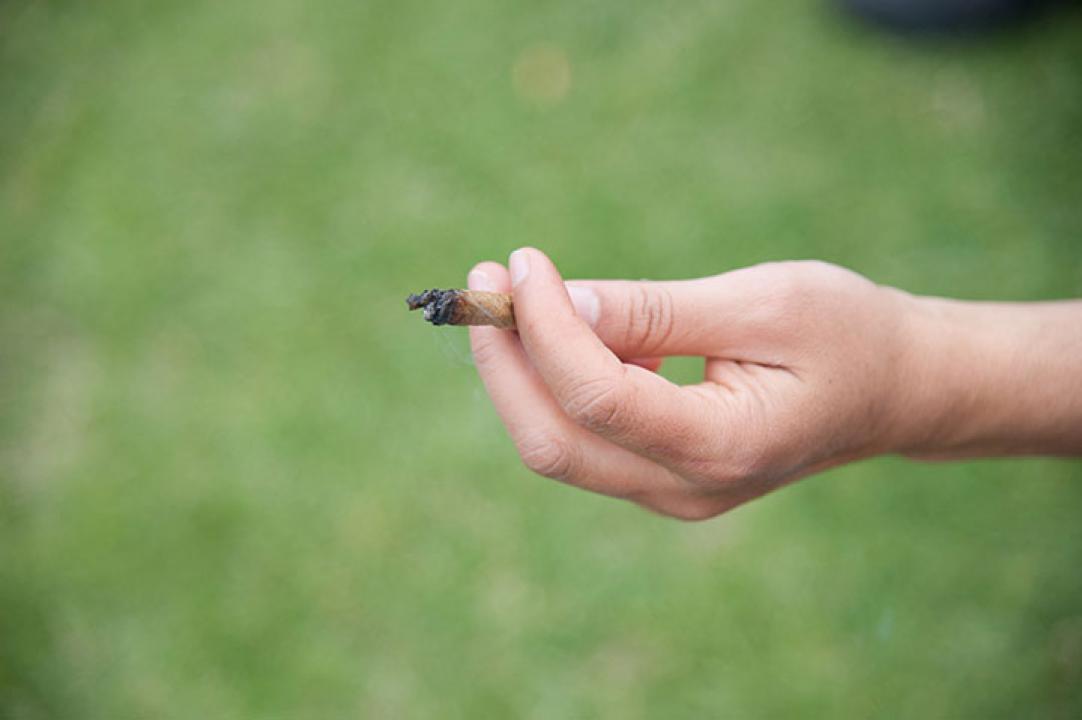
[[237, 480]]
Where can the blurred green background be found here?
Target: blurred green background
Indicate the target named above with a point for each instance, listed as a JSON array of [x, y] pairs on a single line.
[[238, 480]]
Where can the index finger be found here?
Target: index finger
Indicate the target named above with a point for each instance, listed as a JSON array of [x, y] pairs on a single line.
[[625, 403]]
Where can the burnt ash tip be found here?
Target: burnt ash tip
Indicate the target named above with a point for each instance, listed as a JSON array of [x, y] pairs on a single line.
[[416, 301], [439, 305]]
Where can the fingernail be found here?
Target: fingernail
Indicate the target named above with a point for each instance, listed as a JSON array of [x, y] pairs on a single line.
[[479, 280], [519, 265], [586, 303]]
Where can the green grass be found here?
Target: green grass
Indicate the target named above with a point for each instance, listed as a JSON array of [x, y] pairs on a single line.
[[237, 480]]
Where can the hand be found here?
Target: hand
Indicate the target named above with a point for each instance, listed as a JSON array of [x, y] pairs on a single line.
[[803, 371]]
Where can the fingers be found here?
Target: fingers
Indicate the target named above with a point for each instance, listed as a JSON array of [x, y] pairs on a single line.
[[624, 403], [549, 443]]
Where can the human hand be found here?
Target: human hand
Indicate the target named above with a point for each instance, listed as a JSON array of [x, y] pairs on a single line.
[[806, 368]]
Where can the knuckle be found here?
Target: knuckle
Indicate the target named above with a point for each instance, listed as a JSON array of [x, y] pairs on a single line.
[[745, 458], [799, 289], [746, 467], [703, 471], [594, 403], [811, 268], [651, 319], [788, 287], [745, 463], [731, 468], [820, 272], [547, 454]]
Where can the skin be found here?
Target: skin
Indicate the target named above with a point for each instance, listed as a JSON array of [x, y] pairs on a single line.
[[807, 366]]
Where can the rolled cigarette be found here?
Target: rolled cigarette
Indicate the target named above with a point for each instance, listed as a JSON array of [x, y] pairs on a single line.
[[465, 307]]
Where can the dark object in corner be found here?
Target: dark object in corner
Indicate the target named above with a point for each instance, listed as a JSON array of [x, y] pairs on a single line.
[[943, 16]]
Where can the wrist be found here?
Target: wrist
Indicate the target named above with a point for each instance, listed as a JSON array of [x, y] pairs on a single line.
[[942, 389], [990, 378]]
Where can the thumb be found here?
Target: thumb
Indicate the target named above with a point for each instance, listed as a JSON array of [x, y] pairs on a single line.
[[623, 403]]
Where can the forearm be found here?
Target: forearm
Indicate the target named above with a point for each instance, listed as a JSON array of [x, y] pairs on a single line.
[[994, 378]]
